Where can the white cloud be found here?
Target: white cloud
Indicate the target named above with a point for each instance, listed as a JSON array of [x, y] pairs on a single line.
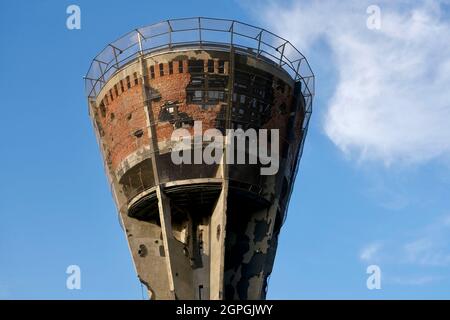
[[429, 247], [369, 252], [414, 281], [391, 101], [426, 252]]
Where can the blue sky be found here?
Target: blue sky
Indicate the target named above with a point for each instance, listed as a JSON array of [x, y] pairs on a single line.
[[373, 185]]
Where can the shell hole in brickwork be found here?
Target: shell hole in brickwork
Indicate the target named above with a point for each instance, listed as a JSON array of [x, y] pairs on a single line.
[[139, 133]]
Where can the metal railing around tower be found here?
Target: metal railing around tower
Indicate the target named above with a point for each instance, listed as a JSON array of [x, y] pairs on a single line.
[[199, 32]]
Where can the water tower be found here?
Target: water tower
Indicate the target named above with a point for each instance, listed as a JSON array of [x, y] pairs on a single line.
[[199, 231]]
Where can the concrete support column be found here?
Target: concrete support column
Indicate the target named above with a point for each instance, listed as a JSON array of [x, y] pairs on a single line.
[[219, 215], [163, 201], [217, 247]]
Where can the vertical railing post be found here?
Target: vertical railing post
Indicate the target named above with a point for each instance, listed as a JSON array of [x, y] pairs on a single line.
[[232, 33], [139, 41], [115, 57], [102, 73], [297, 69], [200, 31], [282, 53], [259, 41], [93, 88], [170, 34]]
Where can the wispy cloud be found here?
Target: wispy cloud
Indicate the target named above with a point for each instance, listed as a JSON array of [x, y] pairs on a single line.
[[429, 250], [391, 100], [429, 247], [413, 281], [369, 252]]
